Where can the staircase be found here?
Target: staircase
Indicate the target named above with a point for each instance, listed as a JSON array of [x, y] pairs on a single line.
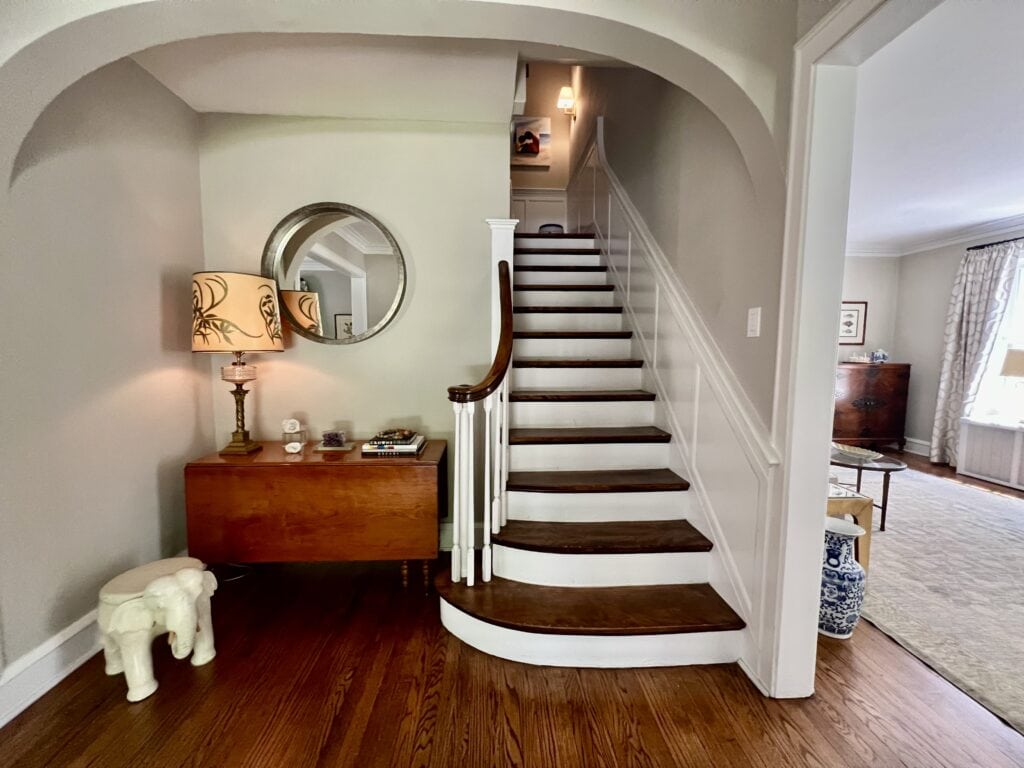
[[597, 564]]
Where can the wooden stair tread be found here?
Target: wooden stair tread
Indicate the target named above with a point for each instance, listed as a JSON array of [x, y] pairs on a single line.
[[597, 481], [561, 287], [561, 268], [572, 334], [565, 309], [616, 538], [559, 251], [557, 235], [573, 362], [586, 435], [653, 610], [579, 395]]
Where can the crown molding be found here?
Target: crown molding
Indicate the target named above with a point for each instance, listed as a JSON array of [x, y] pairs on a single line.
[[974, 234]]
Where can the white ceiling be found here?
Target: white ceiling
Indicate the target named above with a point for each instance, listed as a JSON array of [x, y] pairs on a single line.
[[939, 136], [351, 76]]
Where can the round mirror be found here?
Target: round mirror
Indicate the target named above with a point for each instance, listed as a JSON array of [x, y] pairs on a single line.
[[340, 272]]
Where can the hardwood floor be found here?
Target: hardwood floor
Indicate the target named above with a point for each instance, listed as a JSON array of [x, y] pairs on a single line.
[[334, 665]]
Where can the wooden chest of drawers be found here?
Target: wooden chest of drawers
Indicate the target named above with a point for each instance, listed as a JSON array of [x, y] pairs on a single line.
[[871, 404]]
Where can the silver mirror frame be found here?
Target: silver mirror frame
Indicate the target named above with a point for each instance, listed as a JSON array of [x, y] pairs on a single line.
[[281, 235]]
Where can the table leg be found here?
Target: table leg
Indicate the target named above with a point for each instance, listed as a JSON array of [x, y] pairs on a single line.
[[860, 472], [885, 499], [405, 574], [426, 575]]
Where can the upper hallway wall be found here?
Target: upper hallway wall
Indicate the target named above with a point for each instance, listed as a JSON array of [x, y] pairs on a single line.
[[686, 176]]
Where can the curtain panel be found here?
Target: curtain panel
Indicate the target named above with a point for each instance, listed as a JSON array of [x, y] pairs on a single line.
[[981, 295]]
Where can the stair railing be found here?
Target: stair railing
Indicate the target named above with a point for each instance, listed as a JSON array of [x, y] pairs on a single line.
[[492, 392]]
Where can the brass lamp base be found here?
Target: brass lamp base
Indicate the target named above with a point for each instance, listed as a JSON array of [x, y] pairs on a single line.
[[240, 445]]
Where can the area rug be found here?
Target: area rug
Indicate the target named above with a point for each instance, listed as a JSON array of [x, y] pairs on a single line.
[[946, 582]]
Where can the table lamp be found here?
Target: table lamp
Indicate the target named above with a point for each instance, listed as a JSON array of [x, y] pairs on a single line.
[[237, 313], [304, 307]]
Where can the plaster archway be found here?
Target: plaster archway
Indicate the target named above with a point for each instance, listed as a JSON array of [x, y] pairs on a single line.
[[60, 51]]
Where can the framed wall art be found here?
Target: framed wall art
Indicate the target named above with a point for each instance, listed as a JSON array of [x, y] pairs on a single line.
[[852, 322], [343, 327], [531, 141]]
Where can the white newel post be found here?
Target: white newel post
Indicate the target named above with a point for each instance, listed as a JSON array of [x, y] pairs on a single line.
[[502, 249]]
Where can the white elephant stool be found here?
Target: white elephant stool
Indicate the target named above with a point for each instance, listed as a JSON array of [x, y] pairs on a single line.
[[171, 596]]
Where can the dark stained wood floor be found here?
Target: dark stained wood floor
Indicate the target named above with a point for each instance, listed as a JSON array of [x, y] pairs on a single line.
[[336, 666]]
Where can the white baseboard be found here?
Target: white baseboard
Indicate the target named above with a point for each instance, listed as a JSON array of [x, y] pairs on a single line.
[[30, 676], [918, 447]]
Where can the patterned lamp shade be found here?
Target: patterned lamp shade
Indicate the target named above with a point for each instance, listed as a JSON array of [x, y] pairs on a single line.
[[1013, 363], [304, 307], [235, 312]]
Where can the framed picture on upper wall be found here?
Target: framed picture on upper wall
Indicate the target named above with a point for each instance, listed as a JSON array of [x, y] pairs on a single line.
[[343, 327], [531, 141], [852, 322]]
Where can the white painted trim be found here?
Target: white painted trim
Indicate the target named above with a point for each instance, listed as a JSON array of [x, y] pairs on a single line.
[[502, 249], [594, 570], [817, 204], [27, 678], [918, 447], [538, 193], [863, 252], [593, 651]]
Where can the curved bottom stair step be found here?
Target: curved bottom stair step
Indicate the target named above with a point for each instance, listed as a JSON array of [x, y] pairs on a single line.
[[612, 538], [592, 611]]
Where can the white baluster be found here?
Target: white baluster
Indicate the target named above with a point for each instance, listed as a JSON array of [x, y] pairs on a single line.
[[488, 407], [469, 500], [497, 467], [457, 497], [504, 453]]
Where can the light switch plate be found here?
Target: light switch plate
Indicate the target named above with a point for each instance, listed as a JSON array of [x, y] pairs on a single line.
[[753, 322]]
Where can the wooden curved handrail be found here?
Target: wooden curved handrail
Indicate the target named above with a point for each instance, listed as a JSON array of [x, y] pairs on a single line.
[[470, 393]]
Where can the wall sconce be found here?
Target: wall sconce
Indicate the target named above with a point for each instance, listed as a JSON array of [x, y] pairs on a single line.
[[237, 313], [567, 101]]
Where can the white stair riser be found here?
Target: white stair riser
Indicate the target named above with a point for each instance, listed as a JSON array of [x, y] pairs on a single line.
[[609, 414], [616, 652], [580, 348], [594, 456], [564, 298], [554, 244], [561, 278], [598, 507], [562, 570], [576, 378], [559, 259], [567, 321]]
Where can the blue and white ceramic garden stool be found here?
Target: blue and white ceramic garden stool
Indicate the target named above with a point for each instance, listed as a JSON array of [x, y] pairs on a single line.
[[842, 580]]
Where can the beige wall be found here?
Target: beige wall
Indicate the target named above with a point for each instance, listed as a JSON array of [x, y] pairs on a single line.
[[876, 281], [432, 185], [542, 89], [688, 179], [103, 402]]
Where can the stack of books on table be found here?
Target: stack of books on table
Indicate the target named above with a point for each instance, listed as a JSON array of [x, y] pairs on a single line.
[[394, 442]]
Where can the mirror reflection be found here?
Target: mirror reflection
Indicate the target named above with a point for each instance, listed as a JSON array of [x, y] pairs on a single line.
[[341, 273]]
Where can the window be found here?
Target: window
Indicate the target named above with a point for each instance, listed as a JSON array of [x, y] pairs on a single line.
[[1001, 398]]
